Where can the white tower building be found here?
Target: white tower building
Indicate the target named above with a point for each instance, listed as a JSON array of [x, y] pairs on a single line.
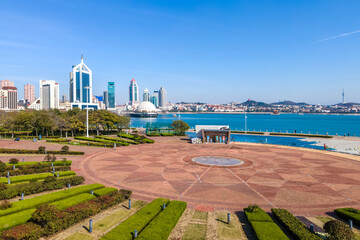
[[146, 95], [162, 97], [49, 94], [133, 92]]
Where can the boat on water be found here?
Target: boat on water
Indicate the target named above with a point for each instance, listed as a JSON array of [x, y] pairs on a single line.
[[275, 112]]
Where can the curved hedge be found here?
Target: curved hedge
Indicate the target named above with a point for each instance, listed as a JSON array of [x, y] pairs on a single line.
[[138, 221], [102, 141], [297, 228], [349, 214], [162, 225], [118, 139]]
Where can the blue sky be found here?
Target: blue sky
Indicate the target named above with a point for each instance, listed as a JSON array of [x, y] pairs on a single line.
[[207, 51]]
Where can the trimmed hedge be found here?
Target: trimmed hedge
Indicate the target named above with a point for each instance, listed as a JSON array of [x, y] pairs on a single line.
[[349, 214], [300, 135], [104, 191], [26, 151], [59, 140], [35, 177], [117, 139], [167, 134], [25, 170], [118, 144], [297, 228], [162, 225], [15, 219], [12, 191], [136, 138], [48, 198], [55, 163], [264, 227], [153, 134], [71, 201], [137, 221]]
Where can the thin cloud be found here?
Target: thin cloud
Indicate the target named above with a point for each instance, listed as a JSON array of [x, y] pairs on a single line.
[[338, 36], [16, 44]]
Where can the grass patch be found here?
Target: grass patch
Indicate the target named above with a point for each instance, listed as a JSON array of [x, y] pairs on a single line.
[[228, 230], [15, 219], [104, 191], [195, 232], [137, 221], [71, 201], [109, 221], [324, 219], [200, 215], [49, 198], [162, 225], [79, 236]]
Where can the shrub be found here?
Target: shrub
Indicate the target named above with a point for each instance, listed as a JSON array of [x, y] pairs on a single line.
[[349, 214], [255, 213], [35, 177], [65, 148], [26, 151], [13, 161], [162, 225], [42, 149], [103, 141], [36, 187], [3, 186], [69, 202], [50, 179], [28, 231], [167, 134], [15, 219], [2, 167], [297, 228], [47, 157], [137, 221], [48, 198], [5, 205], [104, 191], [153, 134], [53, 158], [338, 230], [125, 193], [45, 213]]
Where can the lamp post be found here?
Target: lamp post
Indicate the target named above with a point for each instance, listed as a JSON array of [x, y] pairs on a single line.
[[245, 123], [87, 111]]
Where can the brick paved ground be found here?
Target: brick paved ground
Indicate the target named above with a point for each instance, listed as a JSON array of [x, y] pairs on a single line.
[[306, 182]]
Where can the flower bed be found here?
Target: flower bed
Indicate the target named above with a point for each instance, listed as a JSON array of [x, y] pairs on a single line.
[[26, 151], [349, 214], [48, 198], [35, 177], [12, 191], [297, 228], [262, 224], [138, 221], [162, 225]]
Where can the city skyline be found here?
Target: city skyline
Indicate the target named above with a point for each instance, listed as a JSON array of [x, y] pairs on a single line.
[[265, 51]]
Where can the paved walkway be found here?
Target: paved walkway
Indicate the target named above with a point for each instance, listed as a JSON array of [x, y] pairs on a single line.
[[306, 182]]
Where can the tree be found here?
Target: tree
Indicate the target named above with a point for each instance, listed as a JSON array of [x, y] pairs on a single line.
[[338, 230], [122, 122], [65, 148], [180, 126]]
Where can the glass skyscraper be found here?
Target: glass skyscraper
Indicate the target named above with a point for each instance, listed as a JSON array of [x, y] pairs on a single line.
[[133, 92], [111, 95], [81, 86], [155, 98]]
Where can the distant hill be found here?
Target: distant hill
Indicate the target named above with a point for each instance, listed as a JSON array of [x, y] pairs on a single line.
[[252, 103], [349, 104], [289, 103]]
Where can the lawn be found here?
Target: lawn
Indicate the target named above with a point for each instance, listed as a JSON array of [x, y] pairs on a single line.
[[195, 231], [200, 215], [230, 231]]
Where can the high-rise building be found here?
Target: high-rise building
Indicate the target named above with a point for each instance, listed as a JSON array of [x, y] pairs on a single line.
[[81, 87], [8, 97], [133, 92], [106, 99], [146, 95], [49, 94], [6, 83], [29, 93], [162, 97], [63, 98], [111, 95], [155, 98]]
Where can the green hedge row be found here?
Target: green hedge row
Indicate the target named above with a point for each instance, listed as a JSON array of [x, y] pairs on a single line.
[[118, 144], [118, 139], [24, 170], [71, 201], [349, 214], [55, 163], [301, 135], [14, 190], [162, 225], [35, 177], [264, 227], [297, 228], [48, 198], [26, 151], [153, 134], [15, 219], [138, 221], [136, 138], [167, 134], [104, 191]]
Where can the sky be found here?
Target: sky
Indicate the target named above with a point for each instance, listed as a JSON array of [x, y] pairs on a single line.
[[198, 50]]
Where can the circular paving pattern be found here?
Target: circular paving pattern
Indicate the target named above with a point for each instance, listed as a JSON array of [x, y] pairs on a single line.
[[217, 161], [303, 181]]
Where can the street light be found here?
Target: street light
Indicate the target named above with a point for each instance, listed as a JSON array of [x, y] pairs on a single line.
[[245, 123], [87, 111]]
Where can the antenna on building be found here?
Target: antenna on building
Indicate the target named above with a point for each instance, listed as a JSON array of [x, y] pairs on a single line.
[[343, 96], [82, 56]]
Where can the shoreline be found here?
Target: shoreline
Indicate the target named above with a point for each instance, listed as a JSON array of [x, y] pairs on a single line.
[[264, 113]]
